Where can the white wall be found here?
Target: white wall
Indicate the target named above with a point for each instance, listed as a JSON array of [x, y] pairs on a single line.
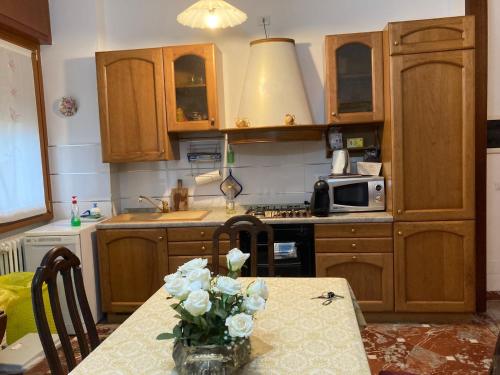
[[493, 60], [269, 173]]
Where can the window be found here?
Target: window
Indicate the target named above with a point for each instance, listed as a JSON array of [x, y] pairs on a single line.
[[24, 193]]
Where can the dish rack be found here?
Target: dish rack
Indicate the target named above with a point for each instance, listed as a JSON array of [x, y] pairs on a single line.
[[203, 153]]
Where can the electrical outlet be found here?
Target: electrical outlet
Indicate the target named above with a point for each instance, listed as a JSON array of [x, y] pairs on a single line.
[[265, 20]]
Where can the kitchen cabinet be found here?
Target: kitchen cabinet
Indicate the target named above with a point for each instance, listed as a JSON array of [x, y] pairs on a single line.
[[30, 18], [362, 253], [354, 78], [192, 89], [370, 276], [131, 95], [132, 265], [442, 34], [432, 102], [434, 266]]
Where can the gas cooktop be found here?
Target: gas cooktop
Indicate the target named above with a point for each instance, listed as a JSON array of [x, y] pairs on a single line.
[[270, 211]]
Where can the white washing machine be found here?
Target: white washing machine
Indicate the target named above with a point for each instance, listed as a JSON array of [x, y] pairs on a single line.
[[82, 242]]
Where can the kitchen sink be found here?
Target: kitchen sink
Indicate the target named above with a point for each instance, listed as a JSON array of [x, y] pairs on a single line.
[[159, 216]]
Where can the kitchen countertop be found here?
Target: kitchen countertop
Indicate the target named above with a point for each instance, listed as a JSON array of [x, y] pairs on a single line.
[[219, 216]]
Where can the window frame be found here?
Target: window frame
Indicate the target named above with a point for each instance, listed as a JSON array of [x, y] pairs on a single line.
[[42, 131]]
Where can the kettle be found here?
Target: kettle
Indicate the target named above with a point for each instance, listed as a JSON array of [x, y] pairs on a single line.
[[320, 200], [341, 163]]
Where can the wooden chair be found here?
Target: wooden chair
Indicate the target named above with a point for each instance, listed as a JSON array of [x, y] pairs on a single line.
[[251, 225], [63, 261], [3, 324]]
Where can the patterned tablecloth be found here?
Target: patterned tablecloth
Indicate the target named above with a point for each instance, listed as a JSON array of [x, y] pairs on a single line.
[[294, 335]]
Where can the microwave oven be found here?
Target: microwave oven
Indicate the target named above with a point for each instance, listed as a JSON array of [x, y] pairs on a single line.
[[356, 193]]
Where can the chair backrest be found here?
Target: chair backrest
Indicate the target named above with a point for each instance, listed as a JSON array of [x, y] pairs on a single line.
[[61, 260], [251, 225], [3, 324]]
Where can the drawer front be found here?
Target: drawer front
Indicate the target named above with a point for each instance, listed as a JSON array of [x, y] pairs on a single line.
[[196, 248], [174, 262], [433, 35], [353, 230], [190, 234], [354, 245]]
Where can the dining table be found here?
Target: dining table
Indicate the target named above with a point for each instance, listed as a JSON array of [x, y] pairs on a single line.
[[295, 334]]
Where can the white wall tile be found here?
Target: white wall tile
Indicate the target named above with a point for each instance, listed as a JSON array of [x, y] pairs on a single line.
[[268, 154], [150, 183], [88, 187], [77, 159]]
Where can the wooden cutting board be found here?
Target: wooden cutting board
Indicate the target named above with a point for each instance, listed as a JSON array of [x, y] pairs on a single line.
[[179, 197]]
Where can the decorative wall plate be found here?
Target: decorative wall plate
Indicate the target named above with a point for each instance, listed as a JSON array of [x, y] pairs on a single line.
[[68, 106]]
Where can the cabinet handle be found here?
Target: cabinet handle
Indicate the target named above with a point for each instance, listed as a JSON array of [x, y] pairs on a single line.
[[396, 43], [202, 233], [203, 247], [353, 230], [162, 151], [212, 121], [334, 114], [353, 245], [160, 238], [400, 233], [400, 211], [354, 257]]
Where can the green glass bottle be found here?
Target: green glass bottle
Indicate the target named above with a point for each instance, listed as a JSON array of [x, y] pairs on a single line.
[[75, 213]]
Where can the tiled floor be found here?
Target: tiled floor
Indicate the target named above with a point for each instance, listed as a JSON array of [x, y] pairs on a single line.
[[458, 349]]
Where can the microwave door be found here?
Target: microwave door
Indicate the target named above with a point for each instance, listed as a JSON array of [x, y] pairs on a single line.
[[350, 197]]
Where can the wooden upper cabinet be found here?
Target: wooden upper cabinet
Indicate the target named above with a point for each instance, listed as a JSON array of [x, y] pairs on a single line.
[[369, 275], [433, 130], [441, 34], [30, 18], [132, 264], [354, 78], [132, 106], [434, 266], [192, 87]]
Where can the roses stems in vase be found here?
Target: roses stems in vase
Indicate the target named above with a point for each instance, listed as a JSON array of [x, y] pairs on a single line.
[[213, 310]]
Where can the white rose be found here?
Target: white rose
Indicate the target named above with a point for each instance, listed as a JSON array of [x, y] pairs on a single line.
[[258, 287], [194, 264], [239, 325], [228, 285], [177, 286], [198, 279], [198, 303], [235, 259], [253, 304]]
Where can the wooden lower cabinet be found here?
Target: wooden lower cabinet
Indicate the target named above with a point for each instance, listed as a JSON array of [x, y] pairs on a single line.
[[434, 266], [132, 265], [175, 262], [370, 276]]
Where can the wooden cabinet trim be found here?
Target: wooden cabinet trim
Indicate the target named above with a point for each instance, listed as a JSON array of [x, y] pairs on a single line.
[[190, 234], [332, 43]]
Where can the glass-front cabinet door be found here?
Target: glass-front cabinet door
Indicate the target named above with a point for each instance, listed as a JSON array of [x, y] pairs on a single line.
[[354, 80], [191, 86]]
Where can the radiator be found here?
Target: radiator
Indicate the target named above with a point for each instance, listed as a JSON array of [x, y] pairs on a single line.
[[11, 255]]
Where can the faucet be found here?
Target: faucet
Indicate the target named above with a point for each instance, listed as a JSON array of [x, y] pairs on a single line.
[[164, 204]]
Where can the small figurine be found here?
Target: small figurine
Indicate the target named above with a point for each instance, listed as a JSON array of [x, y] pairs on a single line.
[[289, 119], [242, 123], [180, 115]]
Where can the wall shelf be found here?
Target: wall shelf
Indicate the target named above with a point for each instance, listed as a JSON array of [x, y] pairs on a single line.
[[279, 133]]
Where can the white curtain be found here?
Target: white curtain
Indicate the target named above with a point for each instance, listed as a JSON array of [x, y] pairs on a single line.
[[21, 174]]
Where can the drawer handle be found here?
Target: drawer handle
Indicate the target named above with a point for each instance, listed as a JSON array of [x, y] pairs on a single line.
[[353, 245], [203, 247], [400, 233], [396, 43], [353, 230], [160, 238], [202, 233], [354, 257], [400, 212]]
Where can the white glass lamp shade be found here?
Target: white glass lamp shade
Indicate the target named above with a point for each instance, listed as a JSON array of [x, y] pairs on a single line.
[[211, 14], [273, 85]]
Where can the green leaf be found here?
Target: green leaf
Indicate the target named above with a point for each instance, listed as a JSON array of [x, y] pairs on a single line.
[[165, 336]]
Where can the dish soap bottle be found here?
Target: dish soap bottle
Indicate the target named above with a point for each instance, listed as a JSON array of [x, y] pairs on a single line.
[[95, 211], [75, 213]]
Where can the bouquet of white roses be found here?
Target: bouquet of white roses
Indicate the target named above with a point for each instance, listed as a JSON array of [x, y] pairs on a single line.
[[214, 310]]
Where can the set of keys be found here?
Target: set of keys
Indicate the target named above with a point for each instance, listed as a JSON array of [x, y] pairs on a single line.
[[328, 297]]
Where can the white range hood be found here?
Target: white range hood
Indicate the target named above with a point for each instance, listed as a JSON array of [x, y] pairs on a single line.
[[273, 85]]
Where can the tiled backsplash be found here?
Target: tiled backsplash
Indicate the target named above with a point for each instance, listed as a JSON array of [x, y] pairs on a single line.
[[269, 173]]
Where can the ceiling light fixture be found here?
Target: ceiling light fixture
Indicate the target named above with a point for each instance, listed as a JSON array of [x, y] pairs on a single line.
[[211, 14]]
